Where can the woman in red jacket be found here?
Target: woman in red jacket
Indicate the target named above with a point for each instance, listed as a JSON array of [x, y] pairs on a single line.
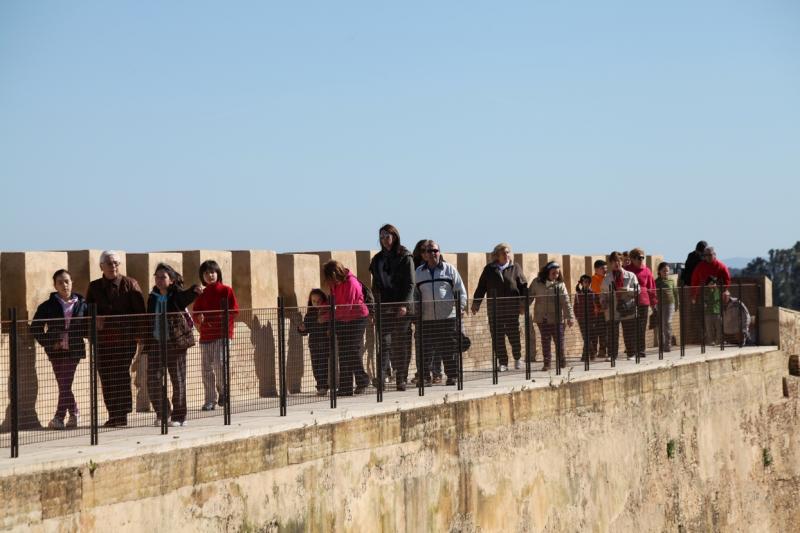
[[208, 311], [351, 323]]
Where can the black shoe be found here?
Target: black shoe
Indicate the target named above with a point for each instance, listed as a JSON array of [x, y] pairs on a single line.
[[208, 406], [401, 386], [344, 393], [221, 401], [450, 381], [360, 389]]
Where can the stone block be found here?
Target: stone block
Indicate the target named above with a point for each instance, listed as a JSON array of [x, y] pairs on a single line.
[[529, 263], [652, 262], [573, 267], [589, 260], [363, 259], [347, 258], [470, 265], [192, 260], [84, 265], [142, 267], [545, 258], [255, 278]]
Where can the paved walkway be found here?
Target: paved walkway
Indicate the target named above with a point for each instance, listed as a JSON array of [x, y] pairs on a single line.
[[117, 444]]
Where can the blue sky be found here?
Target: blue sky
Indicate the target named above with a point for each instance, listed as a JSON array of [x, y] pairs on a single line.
[[556, 126]]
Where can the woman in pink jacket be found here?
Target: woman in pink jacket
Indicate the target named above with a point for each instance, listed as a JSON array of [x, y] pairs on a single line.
[[351, 323]]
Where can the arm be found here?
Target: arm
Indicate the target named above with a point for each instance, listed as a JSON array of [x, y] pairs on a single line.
[[725, 275], [462, 291], [568, 304], [37, 328], [407, 265], [185, 297], [651, 288], [480, 292]]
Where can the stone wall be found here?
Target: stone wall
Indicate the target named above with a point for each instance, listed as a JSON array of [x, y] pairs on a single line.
[[706, 446]]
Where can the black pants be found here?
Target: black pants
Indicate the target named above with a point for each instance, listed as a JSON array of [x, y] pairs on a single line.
[[633, 330], [319, 365], [396, 342], [439, 340], [114, 368], [176, 368], [350, 337], [506, 324]]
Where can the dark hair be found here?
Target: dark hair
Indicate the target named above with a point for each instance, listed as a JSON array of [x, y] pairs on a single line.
[[61, 271], [615, 256], [700, 246], [334, 271], [388, 228], [599, 263], [542, 275], [318, 292], [661, 265], [210, 266], [173, 274], [417, 253], [584, 277]]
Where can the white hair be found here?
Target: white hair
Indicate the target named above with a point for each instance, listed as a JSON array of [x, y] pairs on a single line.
[[106, 254]]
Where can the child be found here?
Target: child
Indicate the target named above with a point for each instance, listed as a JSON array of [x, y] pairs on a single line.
[[666, 290], [208, 312], [711, 312], [584, 307], [315, 325]]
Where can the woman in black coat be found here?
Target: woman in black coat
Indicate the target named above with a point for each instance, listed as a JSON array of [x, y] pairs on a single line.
[[168, 294], [60, 325]]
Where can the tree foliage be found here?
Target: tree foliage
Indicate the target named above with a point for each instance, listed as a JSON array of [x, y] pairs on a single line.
[[783, 268]]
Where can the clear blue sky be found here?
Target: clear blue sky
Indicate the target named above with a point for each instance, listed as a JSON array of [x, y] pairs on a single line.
[[555, 126]]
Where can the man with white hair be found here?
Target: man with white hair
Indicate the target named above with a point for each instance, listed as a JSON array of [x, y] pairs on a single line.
[[115, 296]]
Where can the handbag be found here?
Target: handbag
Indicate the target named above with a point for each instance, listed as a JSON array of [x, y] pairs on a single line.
[[179, 331]]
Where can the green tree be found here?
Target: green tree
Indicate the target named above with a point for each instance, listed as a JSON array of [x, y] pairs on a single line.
[[783, 268]]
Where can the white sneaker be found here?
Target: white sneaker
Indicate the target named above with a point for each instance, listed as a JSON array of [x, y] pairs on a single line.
[[517, 364], [503, 368], [176, 424], [73, 420], [56, 423]]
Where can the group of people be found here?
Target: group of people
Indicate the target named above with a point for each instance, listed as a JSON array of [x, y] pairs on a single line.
[[416, 288], [60, 326]]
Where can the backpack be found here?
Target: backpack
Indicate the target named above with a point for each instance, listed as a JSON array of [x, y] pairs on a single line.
[[366, 292]]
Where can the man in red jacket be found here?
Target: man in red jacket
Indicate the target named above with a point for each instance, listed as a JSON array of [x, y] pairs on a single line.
[[709, 267]]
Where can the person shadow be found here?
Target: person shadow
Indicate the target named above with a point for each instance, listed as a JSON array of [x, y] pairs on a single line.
[[262, 337]]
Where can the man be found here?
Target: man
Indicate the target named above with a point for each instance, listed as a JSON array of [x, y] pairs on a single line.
[[736, 320], [115, 296], [692, 260], [709, 267], [599, 327], [392, 272], [438, 283]]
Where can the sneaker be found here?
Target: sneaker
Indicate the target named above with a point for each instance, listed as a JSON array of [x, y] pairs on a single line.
[[176, 423], [630, 358], [73, 420], [322, 391], [450, 381], [517, 364], [545, 368], [56, 423], [208, 406], [221, 401], [503, 368], [401, 386], [360, 389]]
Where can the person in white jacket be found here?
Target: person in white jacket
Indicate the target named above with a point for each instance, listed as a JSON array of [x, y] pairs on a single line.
[[440, 294], [623, 285]]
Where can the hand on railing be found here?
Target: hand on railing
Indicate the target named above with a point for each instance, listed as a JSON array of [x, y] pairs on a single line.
[[401, 311]]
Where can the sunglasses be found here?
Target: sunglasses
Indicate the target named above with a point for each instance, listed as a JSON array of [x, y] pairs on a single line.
[[432, 250]]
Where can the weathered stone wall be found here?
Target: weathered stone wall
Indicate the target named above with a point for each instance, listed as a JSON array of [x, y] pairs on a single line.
[[707, 446]]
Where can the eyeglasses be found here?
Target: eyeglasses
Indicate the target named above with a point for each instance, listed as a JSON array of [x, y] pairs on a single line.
[[638, 257], [432, 250], [112, 263], [384, 235]]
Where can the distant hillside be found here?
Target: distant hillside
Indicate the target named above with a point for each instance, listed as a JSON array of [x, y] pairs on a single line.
[[737, 262]]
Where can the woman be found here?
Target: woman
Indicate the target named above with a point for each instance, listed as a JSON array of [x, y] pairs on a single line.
[[392, 272], [59, 325], [168, 295], [647, 297], [351, 323], [622, 285], [544, 291], [504, 279]]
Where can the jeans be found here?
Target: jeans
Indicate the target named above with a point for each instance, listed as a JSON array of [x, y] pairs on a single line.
[[114, 368], [395, 343], [64, 369], [505, 325], [176, 368], [440, 341], [549, 332], [349, 337], [713, 324], [213, 370], [665, 325]]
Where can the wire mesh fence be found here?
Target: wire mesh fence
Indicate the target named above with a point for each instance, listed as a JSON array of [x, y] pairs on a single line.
[[81, 377]]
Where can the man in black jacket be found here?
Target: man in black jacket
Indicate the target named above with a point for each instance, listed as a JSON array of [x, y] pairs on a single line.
[[392, 272], [692, 260]]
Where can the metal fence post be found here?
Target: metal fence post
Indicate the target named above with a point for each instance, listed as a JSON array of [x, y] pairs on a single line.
[[757, 332], [587, 331], [333, 367], [379, 347], [459, 341], [162, 349], [282, 356], [741, 316], [526, 295], [660, 323], [13, 344], [93, 414], [493, 319], [703, 320], [613, 335], [422, 372], [684, 301], [636, 318], [226, 363], [721, 290], [558, 335]]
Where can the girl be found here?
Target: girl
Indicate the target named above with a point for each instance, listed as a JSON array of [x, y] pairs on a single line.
[[584, 305], [168, 295], [59, 325], [208, 312], [351, 323], [315, 325], [666, 290], [544, 290]]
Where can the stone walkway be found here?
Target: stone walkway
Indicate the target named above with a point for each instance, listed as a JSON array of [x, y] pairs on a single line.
[[117, 444]]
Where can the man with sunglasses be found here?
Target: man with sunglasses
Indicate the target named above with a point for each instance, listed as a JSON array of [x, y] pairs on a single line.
[[438, 284], [709, 267]]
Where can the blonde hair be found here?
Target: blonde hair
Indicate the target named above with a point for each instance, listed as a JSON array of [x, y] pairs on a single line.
[[499, 248]]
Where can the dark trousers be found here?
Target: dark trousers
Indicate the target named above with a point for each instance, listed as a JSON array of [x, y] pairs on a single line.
[[64, 369], [319, 366], [549, 332], [439, 341], [395, 342], [176, 368], [633, 330], [505, 325], [114, 369], [593, 332], [349, 337]]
